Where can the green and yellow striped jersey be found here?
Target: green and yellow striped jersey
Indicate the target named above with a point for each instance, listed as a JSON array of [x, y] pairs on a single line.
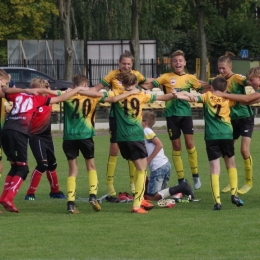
[[185, 82], [236, 84], [216, 116]]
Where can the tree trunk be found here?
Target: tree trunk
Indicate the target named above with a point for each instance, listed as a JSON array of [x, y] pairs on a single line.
[[64, 10], [134, 43], [203, 44]]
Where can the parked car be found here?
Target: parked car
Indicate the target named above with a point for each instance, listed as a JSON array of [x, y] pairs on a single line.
[[22, 77]]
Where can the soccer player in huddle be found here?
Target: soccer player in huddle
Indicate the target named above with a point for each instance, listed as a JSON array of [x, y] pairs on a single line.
[[160, 168], [218, 137], [242, 118], [79, 121], [178, 115], [126, 61], [15, 135], [130, 135], [42, 147]]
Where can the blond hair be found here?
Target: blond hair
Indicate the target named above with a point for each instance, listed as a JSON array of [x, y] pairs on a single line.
[[127, 78], [149, 117], [79, 80], [253, 72], [5, 76], [39, 83], [127, 54], [178, 53], [227, 57]]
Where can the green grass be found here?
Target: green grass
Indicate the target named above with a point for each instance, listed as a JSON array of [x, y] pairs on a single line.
[[43, 229]]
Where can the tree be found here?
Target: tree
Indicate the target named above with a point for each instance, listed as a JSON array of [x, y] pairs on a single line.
[[134, 43], [25, 19], [65, 9]]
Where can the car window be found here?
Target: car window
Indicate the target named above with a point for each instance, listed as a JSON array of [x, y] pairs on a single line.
[[26, 76], [38, 75], [15, 75]]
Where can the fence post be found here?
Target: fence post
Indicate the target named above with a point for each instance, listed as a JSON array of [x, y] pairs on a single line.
[[58, 69], [90, 72], [24, 62], [152, 69]]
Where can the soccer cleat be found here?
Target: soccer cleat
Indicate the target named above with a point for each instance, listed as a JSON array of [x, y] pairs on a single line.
[[217, 206], [9, 205], [30, 197], [139, 211], [186, 189], [124, 196], [237, 201], [57, 195], [145, 204], [71, 207], [181, 180], [244, 189], [93, 202], [197, 183], [112, 199], [226, 189], [166, 203]]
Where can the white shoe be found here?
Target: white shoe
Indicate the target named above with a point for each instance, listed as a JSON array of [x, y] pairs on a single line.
[[197, 183], [166, 203]]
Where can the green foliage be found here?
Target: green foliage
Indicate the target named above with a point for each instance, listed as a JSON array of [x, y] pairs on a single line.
[[25, 19]]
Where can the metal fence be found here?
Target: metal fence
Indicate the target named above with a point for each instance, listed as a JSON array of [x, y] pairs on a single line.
[[95, 70]]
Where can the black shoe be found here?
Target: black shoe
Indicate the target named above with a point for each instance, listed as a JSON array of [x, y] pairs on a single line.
[[181, 180], [217, 206], [186, 189], [237, 201], [57, 195], [71, 207], [93, 202], [112, 199]]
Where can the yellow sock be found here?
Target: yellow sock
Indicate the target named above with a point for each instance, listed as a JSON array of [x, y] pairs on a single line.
[[248, 166], [139, 188], [232, 175], [214, 178], [177, 161], [111, 165], [92, 182], [132, 174], [71, 188], [193, 160]]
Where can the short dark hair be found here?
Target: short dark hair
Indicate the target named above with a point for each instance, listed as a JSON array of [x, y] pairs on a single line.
[[219, 83]]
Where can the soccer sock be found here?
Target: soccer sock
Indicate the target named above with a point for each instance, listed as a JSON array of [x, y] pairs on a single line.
[[139, 188], [34, 182], [166, 192], [53, 180], [177, 161], [248, 166], [16, 183], [232, 175], [92, 182], [7, 185], [132, 174], [193, 160], [71, 188], [214, 178], [111, 165]]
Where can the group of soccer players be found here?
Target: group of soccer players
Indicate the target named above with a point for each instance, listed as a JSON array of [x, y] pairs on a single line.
[[30, 119]]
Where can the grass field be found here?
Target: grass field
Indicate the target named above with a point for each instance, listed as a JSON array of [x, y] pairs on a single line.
[[44, 230]]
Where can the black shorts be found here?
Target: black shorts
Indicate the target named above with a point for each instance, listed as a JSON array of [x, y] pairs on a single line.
[[15, 145], [42, 149], [71, 148], [243, 127], [133, 150], [112, 129], [176, 124], [217, 148]]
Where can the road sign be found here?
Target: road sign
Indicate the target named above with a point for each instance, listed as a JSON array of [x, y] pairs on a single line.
[[244, 53]]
